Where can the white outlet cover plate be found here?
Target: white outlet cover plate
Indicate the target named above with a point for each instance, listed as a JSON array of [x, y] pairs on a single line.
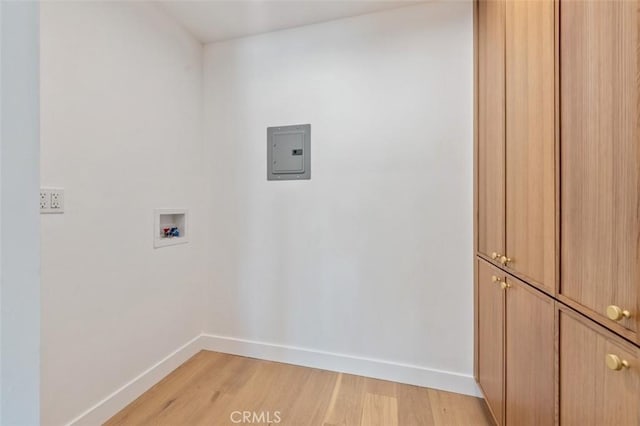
[[51, 200]]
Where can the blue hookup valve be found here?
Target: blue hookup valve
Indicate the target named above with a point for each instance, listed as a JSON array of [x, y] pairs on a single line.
[[174, 232]]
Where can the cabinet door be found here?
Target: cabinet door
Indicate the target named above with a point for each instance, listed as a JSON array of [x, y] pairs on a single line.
[[600, 156], [530, 141], [590, 392], [491, 151], [530, 338], [490, 317]]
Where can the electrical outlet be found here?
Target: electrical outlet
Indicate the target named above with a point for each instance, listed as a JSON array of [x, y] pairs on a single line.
[[44, 200], [56, 200], [51, 200]]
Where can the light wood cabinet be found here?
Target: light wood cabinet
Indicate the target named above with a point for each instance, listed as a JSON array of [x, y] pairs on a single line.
[[516, 330], [558, 211], [600, 151], [490, 326], [591, 393], [516, 197], [530, 136], [491, 128], [530, 336]]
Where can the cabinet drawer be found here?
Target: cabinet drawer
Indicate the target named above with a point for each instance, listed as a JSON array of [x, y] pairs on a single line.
[[599, 374]]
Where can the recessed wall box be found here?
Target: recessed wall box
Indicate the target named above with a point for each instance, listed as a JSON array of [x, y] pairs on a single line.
[[170, 227], [289, 152]]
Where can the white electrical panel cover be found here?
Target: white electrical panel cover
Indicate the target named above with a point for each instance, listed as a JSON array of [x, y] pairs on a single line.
[[288, 152]]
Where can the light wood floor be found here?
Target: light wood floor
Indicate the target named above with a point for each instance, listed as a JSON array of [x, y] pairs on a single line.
[[210, 387]]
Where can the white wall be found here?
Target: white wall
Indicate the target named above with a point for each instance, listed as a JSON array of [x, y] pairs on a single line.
[[373, 256], [19, 222], [370, 258], [122, 133]]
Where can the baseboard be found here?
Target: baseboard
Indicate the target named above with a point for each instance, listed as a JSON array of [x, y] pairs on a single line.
[[361, 366], [119, 399]]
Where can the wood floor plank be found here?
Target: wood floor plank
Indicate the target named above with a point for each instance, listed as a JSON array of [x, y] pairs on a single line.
[[453, 409], [254, 397], [347, 409], [414, 405], [226, 378], [161, 395], [212, 387], [332, 401], [314, 399], [380, 387], [379, 410]]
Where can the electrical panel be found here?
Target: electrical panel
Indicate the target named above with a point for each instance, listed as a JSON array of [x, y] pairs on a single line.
[[289, 152]]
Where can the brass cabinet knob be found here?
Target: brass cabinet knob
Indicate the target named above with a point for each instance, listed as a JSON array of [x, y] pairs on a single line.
[[495, 256], [505, 260], [615, 363], [616, 313], [501, 281]]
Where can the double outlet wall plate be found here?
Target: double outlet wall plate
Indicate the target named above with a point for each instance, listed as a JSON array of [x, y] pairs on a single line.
[[51, 200]]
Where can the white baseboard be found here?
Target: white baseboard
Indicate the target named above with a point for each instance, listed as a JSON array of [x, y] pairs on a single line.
[[368, 367], [122, 397]]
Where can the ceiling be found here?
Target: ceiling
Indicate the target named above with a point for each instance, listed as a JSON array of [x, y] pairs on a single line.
[[213, 20]]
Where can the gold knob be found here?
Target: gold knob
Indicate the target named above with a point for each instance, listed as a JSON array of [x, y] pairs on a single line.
[[495, 279], [615, 363], [504, 260], [495, 256], [504, 285], [616, 313]]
